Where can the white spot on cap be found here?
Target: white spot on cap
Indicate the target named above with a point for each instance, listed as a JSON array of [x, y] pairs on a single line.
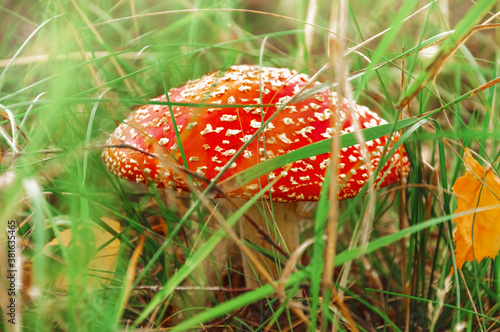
[[284, 139], [283, 100], [253, 186], [246, 138], [220, 91], [264, 90], [283, 189], [207, 130], [323, 116], [231, 132], [353, 159], [228, 153], [271, 140], [255, 124], [270, 126], [200, 170], [228, 118], [304, 131], [327, 133], [163, 141], [324, 164], [244, 88]]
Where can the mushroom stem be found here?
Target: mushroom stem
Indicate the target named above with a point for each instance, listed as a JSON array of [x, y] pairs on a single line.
[[282, 225]]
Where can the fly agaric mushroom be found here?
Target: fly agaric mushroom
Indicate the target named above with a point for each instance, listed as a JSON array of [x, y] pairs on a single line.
[[211, 136]]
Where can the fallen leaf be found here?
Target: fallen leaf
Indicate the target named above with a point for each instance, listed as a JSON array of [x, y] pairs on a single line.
[[478, 233], [100, 265], [106, 259]]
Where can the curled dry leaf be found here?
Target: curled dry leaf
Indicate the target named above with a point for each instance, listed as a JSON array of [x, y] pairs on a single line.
[[478, 233], [101, 264]]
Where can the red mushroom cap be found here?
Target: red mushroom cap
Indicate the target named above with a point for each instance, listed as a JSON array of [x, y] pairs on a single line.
[[211, 136]]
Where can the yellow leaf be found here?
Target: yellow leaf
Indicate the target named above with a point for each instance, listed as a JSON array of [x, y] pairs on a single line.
[[106, 259], [478, 233], [100, 265]]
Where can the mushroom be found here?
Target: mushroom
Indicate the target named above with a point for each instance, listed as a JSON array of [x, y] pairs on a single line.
[[212, 133]]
